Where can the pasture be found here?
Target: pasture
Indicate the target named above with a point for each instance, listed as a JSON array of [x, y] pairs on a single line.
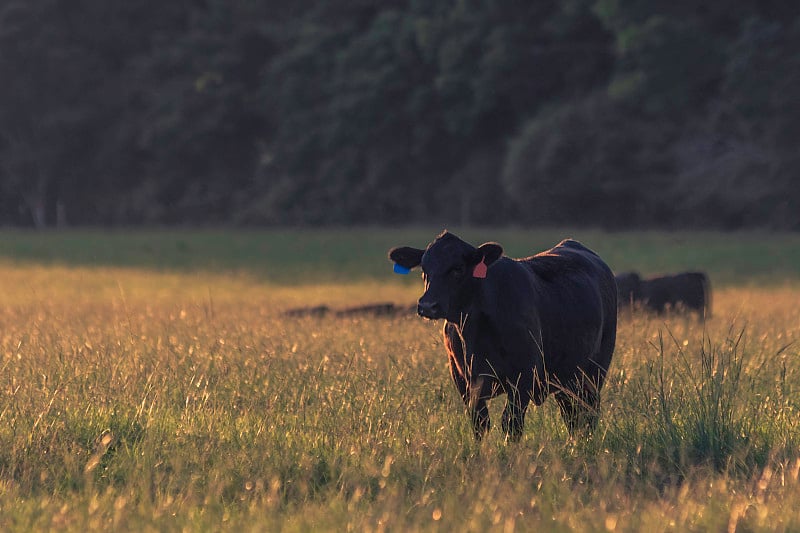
[[149, 381]]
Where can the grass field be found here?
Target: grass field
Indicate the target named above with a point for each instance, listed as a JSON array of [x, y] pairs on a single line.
[[150, 382]]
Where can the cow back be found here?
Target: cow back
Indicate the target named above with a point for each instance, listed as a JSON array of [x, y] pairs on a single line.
[[576, 297]]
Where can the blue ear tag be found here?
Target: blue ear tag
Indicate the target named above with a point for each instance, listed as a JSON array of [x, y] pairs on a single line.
[[399, 269]]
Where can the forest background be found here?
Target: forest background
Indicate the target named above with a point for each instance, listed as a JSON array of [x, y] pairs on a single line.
[[603, 113]]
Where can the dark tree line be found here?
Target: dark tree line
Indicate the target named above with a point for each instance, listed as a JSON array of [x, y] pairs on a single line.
[[613, 113]]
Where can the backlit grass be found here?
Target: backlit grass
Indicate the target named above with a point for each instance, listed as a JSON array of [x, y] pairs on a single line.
[[168, 399]]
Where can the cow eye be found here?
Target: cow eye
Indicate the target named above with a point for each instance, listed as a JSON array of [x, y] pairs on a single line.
[[457, 271]]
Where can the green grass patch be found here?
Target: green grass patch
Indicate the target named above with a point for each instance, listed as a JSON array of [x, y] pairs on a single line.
[[291, 256]]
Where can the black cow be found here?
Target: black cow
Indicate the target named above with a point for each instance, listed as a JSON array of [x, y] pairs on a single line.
[[690, 290], [521, 327], [629, 288]]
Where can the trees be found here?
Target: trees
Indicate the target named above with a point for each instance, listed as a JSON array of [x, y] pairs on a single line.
[[402, 113], [592, 161], [66, 137], [692, 130], [45, 108], [348, 111]]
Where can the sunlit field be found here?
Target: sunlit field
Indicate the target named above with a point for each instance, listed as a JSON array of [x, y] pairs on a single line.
[[150, 381]]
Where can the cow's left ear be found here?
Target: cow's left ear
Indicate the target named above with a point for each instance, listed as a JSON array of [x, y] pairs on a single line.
[[490, 252]]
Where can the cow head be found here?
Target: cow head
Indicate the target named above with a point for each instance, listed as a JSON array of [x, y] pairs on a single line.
[[451, 270]]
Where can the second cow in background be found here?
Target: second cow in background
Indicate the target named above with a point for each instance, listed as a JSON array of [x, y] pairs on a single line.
[[690, 291]]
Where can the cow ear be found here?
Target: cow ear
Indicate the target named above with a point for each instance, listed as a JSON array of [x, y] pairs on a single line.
[[490, 252], [406, 256]]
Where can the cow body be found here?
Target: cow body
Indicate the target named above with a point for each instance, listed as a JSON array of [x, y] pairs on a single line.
[[534, 326], [690, 291]]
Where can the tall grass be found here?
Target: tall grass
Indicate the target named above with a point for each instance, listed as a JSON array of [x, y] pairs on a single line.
[[134, 399], [697, 405]]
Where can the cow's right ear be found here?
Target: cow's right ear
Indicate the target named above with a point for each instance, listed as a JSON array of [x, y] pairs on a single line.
[[406, 256]]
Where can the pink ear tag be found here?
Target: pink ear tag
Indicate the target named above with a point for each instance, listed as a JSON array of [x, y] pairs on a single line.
[[480, 270]]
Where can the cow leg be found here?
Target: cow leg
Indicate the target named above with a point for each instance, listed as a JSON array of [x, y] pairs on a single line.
[[580, 407], [479, 413], [572, 412], [518, 396], [514, 413], [474, 400], [481, 390]]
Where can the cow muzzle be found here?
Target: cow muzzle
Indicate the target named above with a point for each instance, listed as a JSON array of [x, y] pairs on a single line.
[[430, 310]]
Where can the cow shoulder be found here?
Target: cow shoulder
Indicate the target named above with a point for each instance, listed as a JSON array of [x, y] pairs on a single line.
[[508, 289], [507, 312]]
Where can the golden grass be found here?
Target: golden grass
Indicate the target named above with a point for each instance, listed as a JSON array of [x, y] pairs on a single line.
[[140, 400]]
